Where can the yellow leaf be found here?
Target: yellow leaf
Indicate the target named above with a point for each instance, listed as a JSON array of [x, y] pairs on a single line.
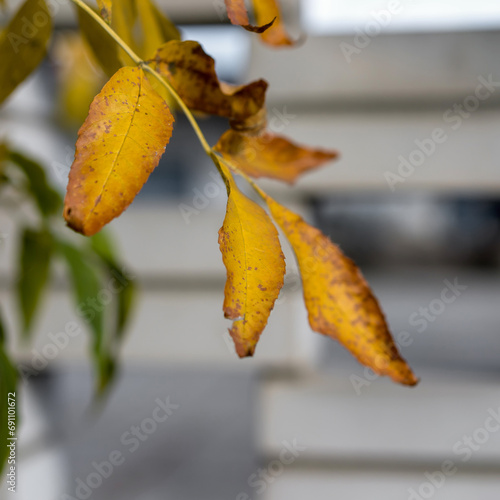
[[255, 267], [192, 73], [105, 8], [270, 155], [119, 145], [23, 44], [339, 302], [265, 11], [78, 76], [238, 15], [124, 17], [103, 47], [156, 28]]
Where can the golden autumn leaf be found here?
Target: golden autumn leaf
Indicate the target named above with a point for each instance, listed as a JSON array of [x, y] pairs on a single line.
[[269, 22], [118, 146], [339, 302], [105, 8], [124, 16], [156, 28], [270, 155], [78, 77], [276, 35], [238, 15], [23, 45], [255, 266], [192, 73], [102, 46]]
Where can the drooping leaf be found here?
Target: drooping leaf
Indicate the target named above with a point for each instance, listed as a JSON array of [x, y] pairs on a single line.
[[23, 44], [156, 28], [123, 21], [79, 78], [269, 22], [87, 286], [168, 28], [103, 47], [270, 155], [8, 395], [339, 302], [48, 199], [123, 287], [276, 35], [105, 8], [118, 146], [34, 268], [192, 73], [238, 15], [255, 267]]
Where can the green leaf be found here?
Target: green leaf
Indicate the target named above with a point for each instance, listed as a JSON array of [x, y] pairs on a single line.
[[125, 288], [102, 45], [102, 245], [23, 44], [87, 285], [8, 383], [34, 269], [48, 199]]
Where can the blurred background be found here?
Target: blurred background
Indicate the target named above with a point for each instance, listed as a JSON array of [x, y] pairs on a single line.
[[409, 93]]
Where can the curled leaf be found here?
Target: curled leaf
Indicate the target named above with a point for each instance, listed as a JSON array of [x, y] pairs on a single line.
[[23, 45], [255, 267], [192, 73], [268, 20], [119, 145], [276, 35], [270, 155], [339, 302], [238, 15]]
